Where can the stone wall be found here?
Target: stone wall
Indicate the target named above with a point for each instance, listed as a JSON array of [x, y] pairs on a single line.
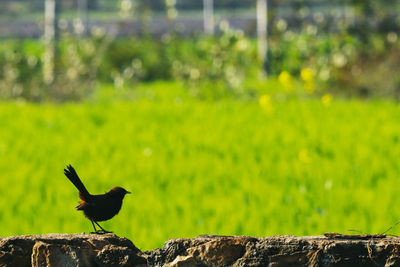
[[111, 250]]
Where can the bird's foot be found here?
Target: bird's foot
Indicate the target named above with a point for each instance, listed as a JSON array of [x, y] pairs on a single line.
[[101, 232]]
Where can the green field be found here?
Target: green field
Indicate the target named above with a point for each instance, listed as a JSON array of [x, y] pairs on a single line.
[[197, 167]]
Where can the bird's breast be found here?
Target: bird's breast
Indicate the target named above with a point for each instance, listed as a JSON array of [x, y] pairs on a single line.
[[102, 208]]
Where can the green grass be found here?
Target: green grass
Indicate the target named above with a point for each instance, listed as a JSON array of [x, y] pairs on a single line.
[[196, 167]]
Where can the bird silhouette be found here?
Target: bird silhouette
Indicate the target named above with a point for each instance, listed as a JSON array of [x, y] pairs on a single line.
[[97, 208]]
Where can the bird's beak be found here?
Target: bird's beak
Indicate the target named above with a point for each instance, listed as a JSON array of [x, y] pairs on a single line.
[[127, 192]]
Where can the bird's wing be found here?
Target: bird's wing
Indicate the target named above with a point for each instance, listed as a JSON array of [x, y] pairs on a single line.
[[82, 205]]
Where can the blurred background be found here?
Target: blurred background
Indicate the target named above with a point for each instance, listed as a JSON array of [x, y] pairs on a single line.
[[250, 117]]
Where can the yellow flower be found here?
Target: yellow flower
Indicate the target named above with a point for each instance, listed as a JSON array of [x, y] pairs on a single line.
[[307, 75], [286, 80], [265, 103], [326, 100]]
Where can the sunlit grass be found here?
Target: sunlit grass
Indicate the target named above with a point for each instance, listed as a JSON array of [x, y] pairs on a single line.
[[196, 167]]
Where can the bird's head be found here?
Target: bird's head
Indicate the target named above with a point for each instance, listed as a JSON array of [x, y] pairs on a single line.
[[119, 191]]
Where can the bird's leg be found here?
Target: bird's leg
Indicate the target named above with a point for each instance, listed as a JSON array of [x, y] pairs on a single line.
[[104, 231], [95, 230]]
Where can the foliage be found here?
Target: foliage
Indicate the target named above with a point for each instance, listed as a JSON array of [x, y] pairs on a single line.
[[202, 167], [21, 65], [342, 63], [224, 60], [210, 67], [214, 67]]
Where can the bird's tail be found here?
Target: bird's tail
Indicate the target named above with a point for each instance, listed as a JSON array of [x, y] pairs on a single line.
[[74, 178]]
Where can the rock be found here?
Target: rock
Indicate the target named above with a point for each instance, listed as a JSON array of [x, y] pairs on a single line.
[[44, 254], [15, 252], [111, 250], [69, 250], [277, 251]]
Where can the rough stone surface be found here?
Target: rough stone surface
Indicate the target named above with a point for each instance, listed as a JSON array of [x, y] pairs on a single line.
[[111, 250], [69, 250], [277, 251]]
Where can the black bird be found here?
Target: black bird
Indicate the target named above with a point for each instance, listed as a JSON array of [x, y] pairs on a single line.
[[97, 208]]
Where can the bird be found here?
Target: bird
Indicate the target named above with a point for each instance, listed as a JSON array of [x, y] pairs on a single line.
[[97, 208]]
